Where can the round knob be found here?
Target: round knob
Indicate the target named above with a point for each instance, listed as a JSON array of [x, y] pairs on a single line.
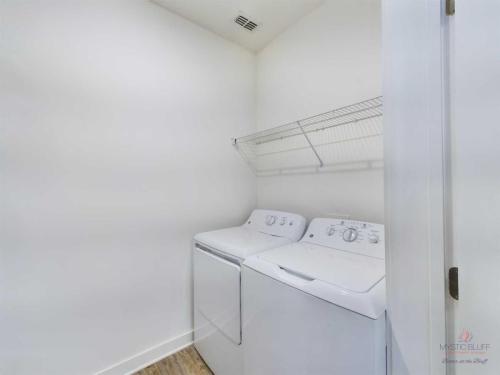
[[373, 238], [330, 230], [350, 234], [270, 220]]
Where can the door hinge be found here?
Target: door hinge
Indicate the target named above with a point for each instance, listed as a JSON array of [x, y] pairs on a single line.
[[453, 282], [450, 7]]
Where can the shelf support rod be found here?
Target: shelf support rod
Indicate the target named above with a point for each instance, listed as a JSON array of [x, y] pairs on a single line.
[[310, 144]]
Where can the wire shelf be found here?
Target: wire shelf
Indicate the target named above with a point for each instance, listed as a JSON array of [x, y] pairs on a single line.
[[344, 138]]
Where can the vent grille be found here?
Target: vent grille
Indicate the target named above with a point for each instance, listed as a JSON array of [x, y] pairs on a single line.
[[246, 23]]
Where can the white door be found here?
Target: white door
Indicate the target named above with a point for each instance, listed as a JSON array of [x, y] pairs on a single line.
[[216, 296], [474, 212]]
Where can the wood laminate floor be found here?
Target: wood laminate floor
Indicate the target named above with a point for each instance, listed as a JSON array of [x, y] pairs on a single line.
[[185, 362]]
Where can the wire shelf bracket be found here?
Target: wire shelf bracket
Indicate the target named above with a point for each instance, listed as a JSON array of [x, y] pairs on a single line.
[[310, 144], [349, 137]]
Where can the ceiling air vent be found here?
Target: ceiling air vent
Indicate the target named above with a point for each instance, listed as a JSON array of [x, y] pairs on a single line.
[[246, 23]]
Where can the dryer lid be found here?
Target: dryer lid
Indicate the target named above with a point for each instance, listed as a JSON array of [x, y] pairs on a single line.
[[263, 230], [240, 242]]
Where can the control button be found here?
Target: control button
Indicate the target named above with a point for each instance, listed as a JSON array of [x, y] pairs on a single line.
[[270, 219], [373, 238], [290, 223], [330, 230], [283, 221], [350, 234]]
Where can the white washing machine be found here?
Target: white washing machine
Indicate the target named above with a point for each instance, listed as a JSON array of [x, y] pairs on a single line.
[[317, 307], [217, 282]]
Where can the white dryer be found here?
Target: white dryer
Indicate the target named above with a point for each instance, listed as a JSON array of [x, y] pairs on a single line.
[[217, 257], [317, 307]]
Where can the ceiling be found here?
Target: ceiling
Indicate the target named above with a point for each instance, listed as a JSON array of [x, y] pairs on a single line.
[[272, 17]]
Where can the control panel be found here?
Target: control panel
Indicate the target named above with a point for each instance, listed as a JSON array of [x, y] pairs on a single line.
[[277, 223], [348, 235]]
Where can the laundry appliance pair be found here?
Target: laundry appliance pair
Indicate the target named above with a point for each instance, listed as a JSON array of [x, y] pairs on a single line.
[[271, 300]]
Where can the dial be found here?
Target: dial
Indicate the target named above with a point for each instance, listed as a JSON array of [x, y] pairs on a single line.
[[330, 230], [350, 234], [283, 220], [373, 238], [270, 219]]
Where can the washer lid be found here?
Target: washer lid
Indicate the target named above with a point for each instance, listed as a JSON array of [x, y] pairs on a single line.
[[352, 272], [352, 281], [240, 241]]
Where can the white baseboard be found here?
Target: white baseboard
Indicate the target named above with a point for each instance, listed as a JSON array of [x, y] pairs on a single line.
[[149, 356]]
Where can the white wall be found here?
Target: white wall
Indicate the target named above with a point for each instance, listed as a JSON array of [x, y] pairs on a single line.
[[115, 124], [330, 58]]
